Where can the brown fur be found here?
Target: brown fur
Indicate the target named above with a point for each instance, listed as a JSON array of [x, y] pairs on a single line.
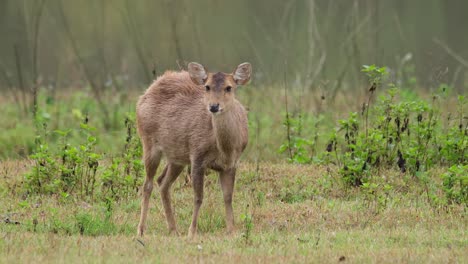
[[173, 120]]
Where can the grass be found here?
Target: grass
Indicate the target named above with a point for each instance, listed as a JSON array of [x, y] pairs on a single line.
[[324, 222], [66, 109], [341, 205]]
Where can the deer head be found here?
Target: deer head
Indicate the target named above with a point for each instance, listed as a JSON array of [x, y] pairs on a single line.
[[219, 87]]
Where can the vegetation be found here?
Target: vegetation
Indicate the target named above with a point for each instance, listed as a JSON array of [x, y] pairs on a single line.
[[344, 163], [284, 212], [384, 176]]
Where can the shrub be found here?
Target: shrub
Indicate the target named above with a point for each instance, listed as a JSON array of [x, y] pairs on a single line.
[[455, 184], [77, 169]]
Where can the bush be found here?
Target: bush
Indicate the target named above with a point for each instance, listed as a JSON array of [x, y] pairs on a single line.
[[455, 184], [397, 130], [77, 169]]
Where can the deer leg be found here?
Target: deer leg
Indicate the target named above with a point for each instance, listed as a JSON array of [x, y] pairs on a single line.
[[173, 171], [198, 174], [162, 175], [188, 179], [226, 179], [151, 159]]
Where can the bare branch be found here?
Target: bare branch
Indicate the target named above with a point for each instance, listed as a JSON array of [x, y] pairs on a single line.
[[450, 52]]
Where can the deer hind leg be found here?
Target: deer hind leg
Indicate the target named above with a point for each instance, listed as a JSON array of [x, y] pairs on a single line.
[[226, 179], [165, 181], [198, 174], [161, 177], [152, 157]]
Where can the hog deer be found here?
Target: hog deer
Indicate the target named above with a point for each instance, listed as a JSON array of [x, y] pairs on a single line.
[[192, 118]]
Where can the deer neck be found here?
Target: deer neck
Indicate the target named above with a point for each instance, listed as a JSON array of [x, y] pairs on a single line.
[[227, 132]]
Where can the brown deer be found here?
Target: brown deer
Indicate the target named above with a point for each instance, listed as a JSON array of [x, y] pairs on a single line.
[[192, 118]]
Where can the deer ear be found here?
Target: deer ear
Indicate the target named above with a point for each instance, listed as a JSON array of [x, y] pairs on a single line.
[[242, 73], [197, 73]]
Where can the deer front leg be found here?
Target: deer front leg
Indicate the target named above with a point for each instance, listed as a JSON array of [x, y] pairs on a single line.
[[226, 179], [198, 174]]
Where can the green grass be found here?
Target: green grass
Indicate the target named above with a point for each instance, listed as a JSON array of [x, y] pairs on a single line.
[[65, 110], [283, 212], [325, 222]]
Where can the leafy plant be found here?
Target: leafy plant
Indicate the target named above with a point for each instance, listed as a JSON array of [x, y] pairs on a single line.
[[296, 146], [41, 178], [124, 175], [90, 225], [247, 224], [376, 195], [455, 184], [77, 169], [403, 133]]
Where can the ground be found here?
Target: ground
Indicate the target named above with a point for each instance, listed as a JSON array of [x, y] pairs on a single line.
[[284, 213]]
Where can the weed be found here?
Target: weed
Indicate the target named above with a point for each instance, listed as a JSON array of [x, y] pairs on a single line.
[[405, 134], [123, 176], [455, 184], [260, 198], [376, 195], [298, 147], [247, 225], [77, 169], [90, 225]]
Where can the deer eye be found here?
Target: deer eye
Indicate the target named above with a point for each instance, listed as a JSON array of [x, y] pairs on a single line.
[[228, 89], [207, 87]]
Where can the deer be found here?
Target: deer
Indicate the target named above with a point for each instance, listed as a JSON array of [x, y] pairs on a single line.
[[192, 118]]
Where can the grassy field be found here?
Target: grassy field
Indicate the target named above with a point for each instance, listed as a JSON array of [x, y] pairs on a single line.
[[347, 161], [330, 179], [284, 213], [66, 110]]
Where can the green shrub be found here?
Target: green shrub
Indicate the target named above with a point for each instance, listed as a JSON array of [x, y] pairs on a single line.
[[77, 169], [296, 146], [455, 184]]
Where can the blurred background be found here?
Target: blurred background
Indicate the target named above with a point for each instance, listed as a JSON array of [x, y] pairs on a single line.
[[108, 51], [63, 43]]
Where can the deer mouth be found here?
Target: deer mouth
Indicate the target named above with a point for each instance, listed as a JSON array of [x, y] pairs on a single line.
[[215, 108], [217, 112]]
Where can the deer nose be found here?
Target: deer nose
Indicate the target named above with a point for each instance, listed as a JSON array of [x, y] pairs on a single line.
[[214, 108]]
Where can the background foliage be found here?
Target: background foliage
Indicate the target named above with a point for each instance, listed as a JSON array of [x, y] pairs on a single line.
[[117, 44]]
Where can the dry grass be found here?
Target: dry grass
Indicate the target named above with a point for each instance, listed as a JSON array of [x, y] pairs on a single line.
[[400, 246], [325, 223]]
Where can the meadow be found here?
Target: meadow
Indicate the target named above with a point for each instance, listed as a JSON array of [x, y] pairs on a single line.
[[378, 175]]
